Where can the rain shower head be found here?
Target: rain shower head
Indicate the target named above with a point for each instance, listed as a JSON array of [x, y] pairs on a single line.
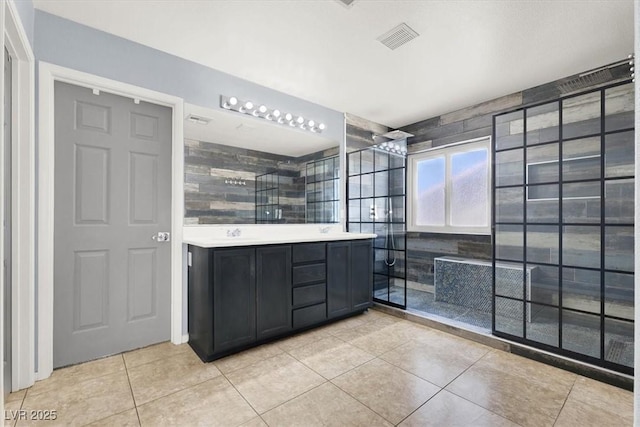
[[397, 134]]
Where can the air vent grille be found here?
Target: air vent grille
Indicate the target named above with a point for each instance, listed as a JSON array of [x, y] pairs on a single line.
[[347, 3], [585, 81], [198, 119], [398, 36]]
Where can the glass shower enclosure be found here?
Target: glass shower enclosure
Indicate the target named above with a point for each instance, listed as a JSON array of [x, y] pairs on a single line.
[[376, 204], [563, 218]]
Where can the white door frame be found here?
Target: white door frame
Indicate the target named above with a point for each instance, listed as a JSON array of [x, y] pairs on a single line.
[[23, 198], [48, 74]]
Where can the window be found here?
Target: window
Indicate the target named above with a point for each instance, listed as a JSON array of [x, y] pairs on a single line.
[[450, 189]]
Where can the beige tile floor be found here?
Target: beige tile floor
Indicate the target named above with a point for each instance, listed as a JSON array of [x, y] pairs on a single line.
[[369, 370]]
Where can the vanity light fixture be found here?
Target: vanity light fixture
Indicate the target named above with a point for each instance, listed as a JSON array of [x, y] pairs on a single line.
[[231, 102], [262, 111]]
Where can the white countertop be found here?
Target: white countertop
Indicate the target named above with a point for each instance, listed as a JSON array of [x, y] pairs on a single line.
[[216, 236]]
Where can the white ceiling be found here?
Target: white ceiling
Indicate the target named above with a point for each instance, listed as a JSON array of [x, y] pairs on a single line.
[[468, 51], [240, 130]]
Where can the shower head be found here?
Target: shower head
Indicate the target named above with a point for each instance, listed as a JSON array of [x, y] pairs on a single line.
[[397, 134]]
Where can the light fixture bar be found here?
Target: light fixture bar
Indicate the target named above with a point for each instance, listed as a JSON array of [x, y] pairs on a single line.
[[275, 115]]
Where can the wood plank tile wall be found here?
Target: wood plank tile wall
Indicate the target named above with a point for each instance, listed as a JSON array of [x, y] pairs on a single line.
[[461, 125]]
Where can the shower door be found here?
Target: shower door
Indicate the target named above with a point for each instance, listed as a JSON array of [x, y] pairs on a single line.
[[563, 221], [376, 204]]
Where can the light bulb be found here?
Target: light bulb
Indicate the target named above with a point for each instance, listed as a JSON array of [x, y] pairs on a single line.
[[288, 116], [321, 126], [276, 113], [248, 105], [300, 120], [311, 123], [262, 109], [233, 100]]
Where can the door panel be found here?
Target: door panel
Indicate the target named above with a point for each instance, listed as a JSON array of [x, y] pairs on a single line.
[[143, 192], [92, 185], [91, 290], [112, 194], [142, 284]]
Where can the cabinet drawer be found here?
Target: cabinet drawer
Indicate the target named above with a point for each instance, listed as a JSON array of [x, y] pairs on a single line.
[[309, 273], [309, 315], [305, 295], [308, 252]]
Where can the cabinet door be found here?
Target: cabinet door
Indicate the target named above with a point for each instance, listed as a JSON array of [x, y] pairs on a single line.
[[234, 298], [338, 295], [273, 280], [361, 275]]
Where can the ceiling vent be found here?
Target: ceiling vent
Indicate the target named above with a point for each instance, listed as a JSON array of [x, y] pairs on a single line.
[[346, 3], [398, 36]]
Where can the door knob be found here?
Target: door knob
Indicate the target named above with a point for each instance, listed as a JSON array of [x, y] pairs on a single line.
[[162, 236]]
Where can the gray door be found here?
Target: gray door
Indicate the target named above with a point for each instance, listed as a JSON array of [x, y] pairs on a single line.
[[112, 197], [7, 222]]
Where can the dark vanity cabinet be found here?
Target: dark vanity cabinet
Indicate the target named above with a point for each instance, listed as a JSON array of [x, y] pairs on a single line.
[[361, 265], [234, 298], [273, 280], [244, 296], [338, 284], [349, 266], [309, 292]]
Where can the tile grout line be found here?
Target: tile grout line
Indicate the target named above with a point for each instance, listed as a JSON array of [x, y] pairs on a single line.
[[470, 401], [151, 361], [358, 400], [133, 396], [270, 357], [293, 398], [15, 422], [286, 401], [415, 410], [373, 356], [177, 391], [441, 388], [108, 416], [565, 400], [240, 394], [213, 362]]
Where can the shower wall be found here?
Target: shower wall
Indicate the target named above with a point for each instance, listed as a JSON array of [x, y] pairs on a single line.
[[461, 125]]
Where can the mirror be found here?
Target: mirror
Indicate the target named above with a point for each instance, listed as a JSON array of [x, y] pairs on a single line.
[[242, 170]]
